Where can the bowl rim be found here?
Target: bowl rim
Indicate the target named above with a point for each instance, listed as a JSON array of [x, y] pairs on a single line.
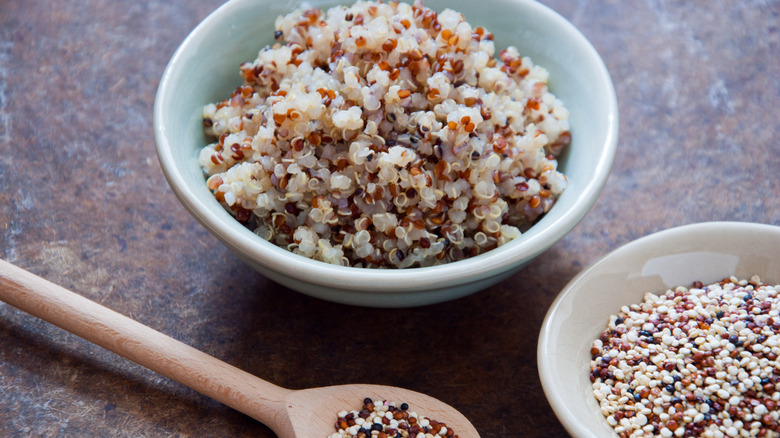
[[546, 342], [529, 245]]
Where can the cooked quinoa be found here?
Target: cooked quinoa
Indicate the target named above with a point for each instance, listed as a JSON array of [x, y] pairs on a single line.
[[386, 135], [699, 361]]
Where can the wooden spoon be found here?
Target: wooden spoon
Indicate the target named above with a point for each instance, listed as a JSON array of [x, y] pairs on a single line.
[[306, 413]]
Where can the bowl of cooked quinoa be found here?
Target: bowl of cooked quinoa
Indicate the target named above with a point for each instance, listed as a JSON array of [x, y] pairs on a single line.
[[674, 334], [386, 153]]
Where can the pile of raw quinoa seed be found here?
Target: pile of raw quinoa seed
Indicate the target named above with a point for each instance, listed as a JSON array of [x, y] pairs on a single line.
[[386, 135], [699, 361], [386, 419]]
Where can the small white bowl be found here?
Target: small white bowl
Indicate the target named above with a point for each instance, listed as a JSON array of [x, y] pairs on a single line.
[[205, 69], [706, 252]]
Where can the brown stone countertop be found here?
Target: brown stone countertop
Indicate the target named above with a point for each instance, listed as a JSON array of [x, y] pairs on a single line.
[[83, 203]]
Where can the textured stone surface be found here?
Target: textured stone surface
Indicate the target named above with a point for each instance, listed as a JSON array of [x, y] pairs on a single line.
[[84, 204]]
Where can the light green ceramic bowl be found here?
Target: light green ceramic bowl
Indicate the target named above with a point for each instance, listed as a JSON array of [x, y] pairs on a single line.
[[205, 69]]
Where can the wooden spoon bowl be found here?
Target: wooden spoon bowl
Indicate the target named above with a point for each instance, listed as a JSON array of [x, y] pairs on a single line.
[[306, 413]]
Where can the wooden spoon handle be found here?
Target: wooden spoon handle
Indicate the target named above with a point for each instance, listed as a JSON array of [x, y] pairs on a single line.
[[225, 383]]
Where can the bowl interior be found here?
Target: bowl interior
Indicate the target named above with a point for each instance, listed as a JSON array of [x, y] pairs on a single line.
[[205, 69], [705, 252]]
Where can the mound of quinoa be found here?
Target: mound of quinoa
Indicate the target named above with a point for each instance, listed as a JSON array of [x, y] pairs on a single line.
[[699, 361], [386, 419], [386, 135]]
